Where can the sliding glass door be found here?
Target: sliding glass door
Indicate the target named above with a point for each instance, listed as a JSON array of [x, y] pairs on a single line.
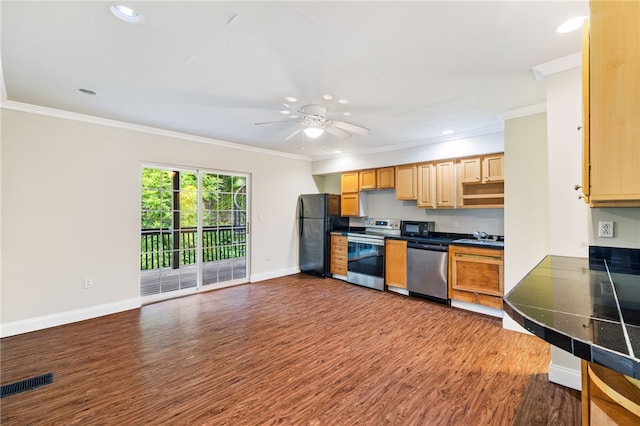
[[193, 230]]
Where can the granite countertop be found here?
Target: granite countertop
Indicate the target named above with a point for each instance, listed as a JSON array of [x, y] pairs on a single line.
[[589, 307]]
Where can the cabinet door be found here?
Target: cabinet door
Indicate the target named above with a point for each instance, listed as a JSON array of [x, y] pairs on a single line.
[[426, 185], [406, 176], [395, 259], [470, 170], [349, 182], [367, 179], [493, 168], [385, 178], [614, 103], [350, 204], [477, 270], [585, 111], [445, 184]]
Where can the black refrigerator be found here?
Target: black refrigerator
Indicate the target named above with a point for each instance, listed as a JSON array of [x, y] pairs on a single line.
[[318, 215]]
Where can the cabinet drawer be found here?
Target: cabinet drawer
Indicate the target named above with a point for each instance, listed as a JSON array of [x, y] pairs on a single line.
[[339, 269], [339, 249], [339, 260], [477, 298]]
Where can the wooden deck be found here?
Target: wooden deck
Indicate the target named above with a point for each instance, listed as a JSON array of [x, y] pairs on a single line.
[[167, 279], [297, 350]]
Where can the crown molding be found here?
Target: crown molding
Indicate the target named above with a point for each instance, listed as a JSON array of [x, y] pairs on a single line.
[[524, 111], [540, 72], [57, 113]]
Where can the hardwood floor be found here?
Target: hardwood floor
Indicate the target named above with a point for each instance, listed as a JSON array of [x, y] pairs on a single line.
[[296, 350]]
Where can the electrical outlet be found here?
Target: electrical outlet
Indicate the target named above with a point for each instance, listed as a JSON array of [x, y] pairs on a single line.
[[605, 229], [88, 283], [605, 288]]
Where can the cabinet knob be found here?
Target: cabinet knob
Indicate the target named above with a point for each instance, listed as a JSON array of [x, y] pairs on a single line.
[[576, 187], [579, 127], [580, 197]]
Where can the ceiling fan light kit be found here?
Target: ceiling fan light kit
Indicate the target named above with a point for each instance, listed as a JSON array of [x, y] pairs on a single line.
[[313, 123], [313, 131]]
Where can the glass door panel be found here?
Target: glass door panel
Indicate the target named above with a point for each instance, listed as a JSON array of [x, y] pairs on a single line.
[[224, 227]]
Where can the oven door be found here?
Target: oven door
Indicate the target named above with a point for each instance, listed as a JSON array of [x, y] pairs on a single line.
[[365, 262]]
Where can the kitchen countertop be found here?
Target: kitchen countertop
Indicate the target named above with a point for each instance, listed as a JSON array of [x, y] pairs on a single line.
[[579, 306], [447, 238]]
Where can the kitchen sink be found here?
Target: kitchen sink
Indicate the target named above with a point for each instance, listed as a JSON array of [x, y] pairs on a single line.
[[492, 243]]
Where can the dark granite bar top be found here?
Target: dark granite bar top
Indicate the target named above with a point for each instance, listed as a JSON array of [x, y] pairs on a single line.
[[588, 307]]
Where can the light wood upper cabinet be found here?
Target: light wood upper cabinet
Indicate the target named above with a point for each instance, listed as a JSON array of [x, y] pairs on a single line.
[[493, 168], [614, 104], [350, 204], [383, 178], [481, 182], [386, 178], [470, 170], [349, 182], [395, 259], [426, 185], [367, 179], [406, 182], [445, 184]]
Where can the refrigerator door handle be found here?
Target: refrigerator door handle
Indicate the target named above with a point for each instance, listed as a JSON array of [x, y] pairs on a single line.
[[300, 215]]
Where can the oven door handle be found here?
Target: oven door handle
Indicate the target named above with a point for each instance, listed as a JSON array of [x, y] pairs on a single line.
[[372, 241]]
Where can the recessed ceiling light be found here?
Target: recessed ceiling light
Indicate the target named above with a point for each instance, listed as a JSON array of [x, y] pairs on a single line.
[[448, 132], [291, 99], [125, 13], [347, 113], [86, 91], [327, 97], [571, 24], [337, 152], [343, 101]]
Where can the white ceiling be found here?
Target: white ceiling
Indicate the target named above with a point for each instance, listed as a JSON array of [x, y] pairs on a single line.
[[408, 69]]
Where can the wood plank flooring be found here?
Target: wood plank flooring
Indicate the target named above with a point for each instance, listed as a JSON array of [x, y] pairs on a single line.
[[297, 350]]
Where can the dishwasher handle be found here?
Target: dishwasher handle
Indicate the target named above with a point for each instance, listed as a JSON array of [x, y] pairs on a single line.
[[430, 247]]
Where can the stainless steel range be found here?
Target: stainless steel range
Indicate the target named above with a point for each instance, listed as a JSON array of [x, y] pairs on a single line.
[[365, 259]]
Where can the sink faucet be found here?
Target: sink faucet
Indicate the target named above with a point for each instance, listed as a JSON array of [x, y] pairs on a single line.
[[480, 235]]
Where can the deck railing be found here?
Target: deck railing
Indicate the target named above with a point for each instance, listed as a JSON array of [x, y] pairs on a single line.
[[158, 250]]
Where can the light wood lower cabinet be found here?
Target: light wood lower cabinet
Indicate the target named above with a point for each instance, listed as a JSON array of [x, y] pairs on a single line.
[[608, 397], [338, 255], [476, 275], [395, 260]]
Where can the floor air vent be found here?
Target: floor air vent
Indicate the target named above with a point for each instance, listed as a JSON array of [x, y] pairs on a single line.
[[26, 384]]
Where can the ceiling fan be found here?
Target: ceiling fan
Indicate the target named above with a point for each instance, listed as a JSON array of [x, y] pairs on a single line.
[[313, 122]]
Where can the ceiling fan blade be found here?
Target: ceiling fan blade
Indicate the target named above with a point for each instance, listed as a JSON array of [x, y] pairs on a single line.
[[292, 134], [272, 122], [337, 132], [350, 127]]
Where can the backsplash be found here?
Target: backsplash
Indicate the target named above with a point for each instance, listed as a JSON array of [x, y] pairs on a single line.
[[619, 260], [383, 203]]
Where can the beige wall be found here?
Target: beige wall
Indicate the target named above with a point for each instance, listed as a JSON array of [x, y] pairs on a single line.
[[526, 208], [71, 210]]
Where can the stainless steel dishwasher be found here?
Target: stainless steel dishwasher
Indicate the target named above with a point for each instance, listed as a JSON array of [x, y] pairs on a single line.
[[428, 270]]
